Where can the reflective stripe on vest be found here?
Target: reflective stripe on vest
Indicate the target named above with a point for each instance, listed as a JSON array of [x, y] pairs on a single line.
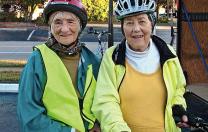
[[60, 98]]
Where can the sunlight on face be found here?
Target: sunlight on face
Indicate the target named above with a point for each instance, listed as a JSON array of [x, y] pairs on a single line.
[[65, 27]]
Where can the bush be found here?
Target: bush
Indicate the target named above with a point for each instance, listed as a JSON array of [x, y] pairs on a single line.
[[7, 17], [39, 21], [9, 76], [162, 20], [10, 17], [97, 10]]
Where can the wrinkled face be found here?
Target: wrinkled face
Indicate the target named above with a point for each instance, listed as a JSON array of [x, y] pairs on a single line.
[[65, 27], [137, 30]]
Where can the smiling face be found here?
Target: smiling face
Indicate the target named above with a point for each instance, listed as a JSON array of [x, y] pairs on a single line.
[[65, 27], [137, 30]]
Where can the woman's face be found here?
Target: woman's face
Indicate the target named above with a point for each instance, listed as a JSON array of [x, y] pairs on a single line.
[[65, 27], [137, 30]]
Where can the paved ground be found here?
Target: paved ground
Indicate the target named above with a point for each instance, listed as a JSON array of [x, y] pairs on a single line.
[[8, 114], [199, 89]]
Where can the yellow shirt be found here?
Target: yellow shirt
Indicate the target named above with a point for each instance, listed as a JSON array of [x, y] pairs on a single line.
[[143, 100]]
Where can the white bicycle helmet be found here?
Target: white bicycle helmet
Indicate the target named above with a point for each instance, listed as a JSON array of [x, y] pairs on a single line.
[[126, 8]]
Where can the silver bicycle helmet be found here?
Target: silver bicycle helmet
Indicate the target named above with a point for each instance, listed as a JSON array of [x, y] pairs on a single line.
[[126, 8]]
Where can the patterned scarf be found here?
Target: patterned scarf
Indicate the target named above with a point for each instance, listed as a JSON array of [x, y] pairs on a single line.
[[63, 50]]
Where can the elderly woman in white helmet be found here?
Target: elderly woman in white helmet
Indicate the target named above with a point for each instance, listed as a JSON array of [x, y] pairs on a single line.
[[140, 84], [58, 82]]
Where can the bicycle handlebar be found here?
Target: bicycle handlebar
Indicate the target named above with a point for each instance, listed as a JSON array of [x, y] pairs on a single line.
[[198, 122], [195, 122], [99, 34]]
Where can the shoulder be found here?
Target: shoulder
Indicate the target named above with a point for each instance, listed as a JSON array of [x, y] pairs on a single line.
[[34, 69], [89, 56], [110, 50], [35, 62], [35, 56]]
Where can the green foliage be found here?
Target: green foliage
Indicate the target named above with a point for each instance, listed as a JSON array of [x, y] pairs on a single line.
[[32, 4], [7, 2], [40, 21], [9, 76], [27, 6], [10, 70], [97, 10], [8, 17], [162, 20]]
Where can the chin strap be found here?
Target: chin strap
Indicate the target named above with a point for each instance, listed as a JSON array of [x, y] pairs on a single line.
[[64, 50]]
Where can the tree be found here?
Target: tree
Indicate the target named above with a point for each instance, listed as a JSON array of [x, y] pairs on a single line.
[[160, 3], [30, 6], [27, 7], [9, 10], [5, 4], [2, 2]]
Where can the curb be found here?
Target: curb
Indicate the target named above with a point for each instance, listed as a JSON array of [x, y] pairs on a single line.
[[14, 29]]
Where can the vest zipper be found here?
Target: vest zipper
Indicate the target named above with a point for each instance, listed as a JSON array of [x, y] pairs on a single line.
[[121, 80], [83, 101]]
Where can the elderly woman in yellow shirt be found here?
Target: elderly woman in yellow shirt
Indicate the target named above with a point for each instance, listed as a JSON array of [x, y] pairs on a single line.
[[140, 84]]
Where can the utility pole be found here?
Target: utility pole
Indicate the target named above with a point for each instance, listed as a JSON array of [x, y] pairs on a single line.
[[172, 11], [168, 5], [171, 24], [110, 24]]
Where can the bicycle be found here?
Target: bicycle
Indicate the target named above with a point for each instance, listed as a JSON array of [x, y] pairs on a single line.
[[198, 124], [101, 45]]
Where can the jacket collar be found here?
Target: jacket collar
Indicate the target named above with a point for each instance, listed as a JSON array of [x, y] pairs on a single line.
[[165, 53]]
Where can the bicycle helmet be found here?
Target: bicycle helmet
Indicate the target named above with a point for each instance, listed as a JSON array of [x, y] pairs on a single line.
[[74, 6], [126, 8]]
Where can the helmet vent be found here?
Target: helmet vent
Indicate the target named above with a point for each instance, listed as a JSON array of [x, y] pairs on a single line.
[[140, 2], [119, 8], [125, 5], [116, 13], [152, 6], [132, 2], [147, 2]]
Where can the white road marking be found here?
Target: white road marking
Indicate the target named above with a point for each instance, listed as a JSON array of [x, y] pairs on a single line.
[[29, 37], [13, 29], [14, 46], [10, 88], [15, 52]]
